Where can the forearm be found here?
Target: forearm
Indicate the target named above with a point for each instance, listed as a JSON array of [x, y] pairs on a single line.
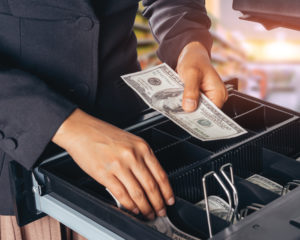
[[71, 129], [177, 23], [31, 113], [119, 160], [191, 50]]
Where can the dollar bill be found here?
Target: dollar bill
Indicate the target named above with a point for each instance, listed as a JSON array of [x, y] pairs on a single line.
[[165, 226], [218, 207], [161, 88], [266, 183]]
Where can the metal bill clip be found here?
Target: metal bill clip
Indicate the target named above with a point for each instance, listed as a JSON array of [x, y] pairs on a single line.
[[234, 190], [215, 175], [287, 187], [253, 207]]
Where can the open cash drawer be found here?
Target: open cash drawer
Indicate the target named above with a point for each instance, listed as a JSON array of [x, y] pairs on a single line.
[[270, 149]]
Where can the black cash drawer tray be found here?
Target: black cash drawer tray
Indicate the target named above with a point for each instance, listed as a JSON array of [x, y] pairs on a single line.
[[270, 148]]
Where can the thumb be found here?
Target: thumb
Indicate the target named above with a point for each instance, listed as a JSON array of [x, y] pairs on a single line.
[[192, 80], [214, 88]]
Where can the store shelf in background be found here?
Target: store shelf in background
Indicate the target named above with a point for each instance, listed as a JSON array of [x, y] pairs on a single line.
[[282, 83], [146, 42], [139, 17], [236, 58], [217, 36], [146, 51], [228, 57], [148, 60], [142, 31], [148, 55], [146, 45], [143, 35], [142, 27], [215, 57]]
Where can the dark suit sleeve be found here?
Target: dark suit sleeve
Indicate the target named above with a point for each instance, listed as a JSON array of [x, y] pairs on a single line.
[[175, 23], [30, 114]]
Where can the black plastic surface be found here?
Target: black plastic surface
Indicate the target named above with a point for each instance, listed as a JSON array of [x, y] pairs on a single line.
[[270, 223], [296, 222], [178, 156], [251, 193], [236, 106], [156, 139], [280, 167], [24, 204], [192, 219], [261, 119], [273, 133]]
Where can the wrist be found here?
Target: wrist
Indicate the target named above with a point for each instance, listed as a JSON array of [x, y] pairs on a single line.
[[193, 55], [71, 129], [196, 48]]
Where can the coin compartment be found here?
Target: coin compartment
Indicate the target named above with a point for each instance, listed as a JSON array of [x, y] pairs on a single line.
[[181, 155], [156, 139], [192, 219], [95, 189], [249, 193], [172, 129], [220, 145], [270, 164], [73, 177], [236, 105], [280, 168], [67, 169], [261, 119], [267, 163]]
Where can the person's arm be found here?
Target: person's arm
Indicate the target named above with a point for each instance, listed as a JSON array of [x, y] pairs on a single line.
[[181, 29], [121, 161], [30, 114]]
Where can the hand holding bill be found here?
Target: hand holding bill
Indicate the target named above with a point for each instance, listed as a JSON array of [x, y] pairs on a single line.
[[197, 73]]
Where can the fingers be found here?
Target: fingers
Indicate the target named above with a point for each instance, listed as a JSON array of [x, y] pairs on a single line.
[[146, 182], [120, 193], [217, 97], [136, 192], [215, 89], [161, 177], [192, 80], [209, 83], [195, 69], [150, 187]]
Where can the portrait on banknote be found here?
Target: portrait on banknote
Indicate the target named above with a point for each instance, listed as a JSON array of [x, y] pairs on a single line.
[[169, 100]]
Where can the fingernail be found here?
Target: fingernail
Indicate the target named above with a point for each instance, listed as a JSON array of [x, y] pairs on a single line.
[[162, 212], [189, 104], [171, 201], [135, 211], [151, 216]]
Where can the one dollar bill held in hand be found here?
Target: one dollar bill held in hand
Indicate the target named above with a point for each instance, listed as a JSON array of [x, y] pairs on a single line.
[[161, 88]]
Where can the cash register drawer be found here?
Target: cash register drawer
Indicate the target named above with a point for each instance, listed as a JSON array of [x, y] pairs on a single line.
[[270, 148]]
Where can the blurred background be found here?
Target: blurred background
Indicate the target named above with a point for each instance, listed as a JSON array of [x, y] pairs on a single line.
[[267, 63]]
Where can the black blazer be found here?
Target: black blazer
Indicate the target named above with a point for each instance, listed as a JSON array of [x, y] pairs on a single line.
[[56, 55]]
